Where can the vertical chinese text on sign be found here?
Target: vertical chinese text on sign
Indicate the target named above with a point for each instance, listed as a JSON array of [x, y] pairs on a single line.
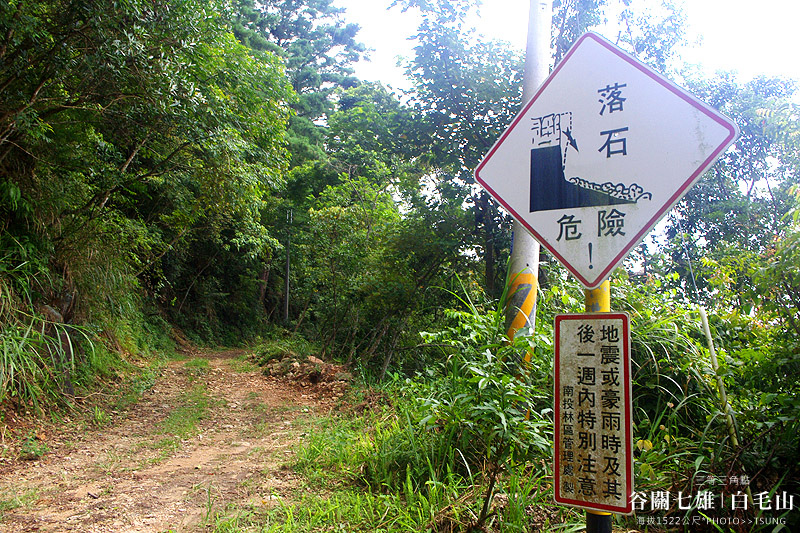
[[593, 439]]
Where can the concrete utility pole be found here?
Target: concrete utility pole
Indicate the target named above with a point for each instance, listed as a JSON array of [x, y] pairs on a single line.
[[524, 269]]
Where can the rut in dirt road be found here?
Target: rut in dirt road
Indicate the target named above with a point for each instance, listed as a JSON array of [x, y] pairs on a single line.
[[210, 432]]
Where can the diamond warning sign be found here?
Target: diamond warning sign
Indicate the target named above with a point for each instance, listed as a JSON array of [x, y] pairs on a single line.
[[601, 152]]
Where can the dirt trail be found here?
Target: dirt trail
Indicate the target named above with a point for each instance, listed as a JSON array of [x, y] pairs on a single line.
[[132, 476]]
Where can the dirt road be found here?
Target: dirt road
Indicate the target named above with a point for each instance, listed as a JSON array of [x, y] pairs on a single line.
[[211, 431]]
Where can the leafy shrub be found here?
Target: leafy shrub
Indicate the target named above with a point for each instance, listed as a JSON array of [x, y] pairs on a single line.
[[479, 412], [282, 344]]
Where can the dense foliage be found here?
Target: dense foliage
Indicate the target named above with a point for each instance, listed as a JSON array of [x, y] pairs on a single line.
[[138, 141]]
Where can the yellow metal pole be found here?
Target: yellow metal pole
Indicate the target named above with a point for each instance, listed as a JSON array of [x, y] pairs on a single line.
[[598, 301]]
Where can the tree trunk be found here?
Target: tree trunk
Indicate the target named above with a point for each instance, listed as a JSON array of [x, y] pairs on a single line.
[[390, 352], [61, 352], [262, 285]]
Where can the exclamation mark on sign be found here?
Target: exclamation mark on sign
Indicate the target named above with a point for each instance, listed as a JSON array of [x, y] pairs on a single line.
[[590, 257]]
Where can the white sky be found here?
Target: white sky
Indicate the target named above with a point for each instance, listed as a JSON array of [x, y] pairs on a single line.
[[751, 38]]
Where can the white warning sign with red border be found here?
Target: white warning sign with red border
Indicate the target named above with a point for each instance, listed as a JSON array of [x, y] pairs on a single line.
[[593, 427], [601, 152]]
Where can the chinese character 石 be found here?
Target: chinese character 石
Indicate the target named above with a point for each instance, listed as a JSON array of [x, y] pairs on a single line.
[[609, 333], [610, 224], [611, 98], [608, 145], [586, 376], [585, 333], [568, 228], [609, 355], [546, 129]]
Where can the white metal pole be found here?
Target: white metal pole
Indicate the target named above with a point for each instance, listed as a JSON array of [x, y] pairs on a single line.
[[524, 267]]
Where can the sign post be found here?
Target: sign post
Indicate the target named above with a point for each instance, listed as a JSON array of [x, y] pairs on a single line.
[[593, 409], [596, 301], [600, 153]]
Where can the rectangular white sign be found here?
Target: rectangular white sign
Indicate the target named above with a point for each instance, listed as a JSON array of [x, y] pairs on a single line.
[[593, 439]]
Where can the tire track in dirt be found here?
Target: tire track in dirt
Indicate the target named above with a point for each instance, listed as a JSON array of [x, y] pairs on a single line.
[[124, 478]]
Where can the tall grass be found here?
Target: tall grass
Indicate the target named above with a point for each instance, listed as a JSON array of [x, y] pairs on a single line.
[[425, 461], [462, 446], [26, 352], [42, 359], [23, 376]]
